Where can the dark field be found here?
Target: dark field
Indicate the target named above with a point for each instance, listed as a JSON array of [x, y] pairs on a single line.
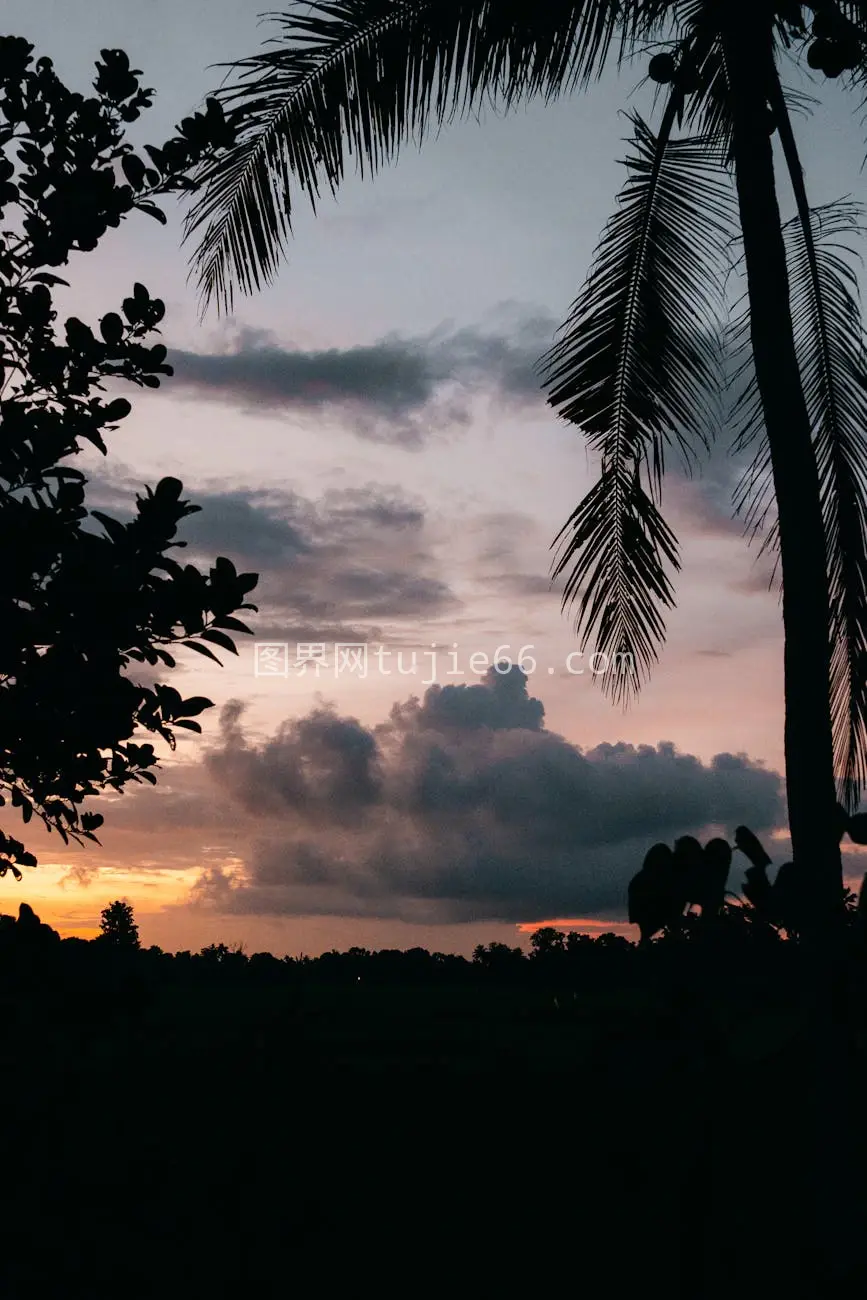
[[238, 1138]]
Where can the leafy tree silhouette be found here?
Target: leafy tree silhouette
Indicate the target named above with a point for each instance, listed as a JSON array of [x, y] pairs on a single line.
[[118, 927], [636, 366], [84, 596], [547, 941], [497, 957]]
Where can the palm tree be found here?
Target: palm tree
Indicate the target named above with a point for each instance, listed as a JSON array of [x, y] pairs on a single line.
[[637, 365]]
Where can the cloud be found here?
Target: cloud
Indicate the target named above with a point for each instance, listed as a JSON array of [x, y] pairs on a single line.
[[764, 577], [500, 543], [395, 390], [349, 566], [704, 497], [460, 806]]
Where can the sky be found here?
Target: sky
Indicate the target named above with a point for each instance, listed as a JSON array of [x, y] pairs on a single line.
[[369, 435]]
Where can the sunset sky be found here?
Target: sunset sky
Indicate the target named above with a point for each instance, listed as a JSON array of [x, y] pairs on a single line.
[[370, 437]]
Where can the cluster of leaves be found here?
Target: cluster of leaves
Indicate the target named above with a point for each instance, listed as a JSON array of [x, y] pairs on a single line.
[[662, 894], [84, 595]]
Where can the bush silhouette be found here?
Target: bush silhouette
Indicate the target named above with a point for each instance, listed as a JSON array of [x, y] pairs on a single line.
[[85, 596]]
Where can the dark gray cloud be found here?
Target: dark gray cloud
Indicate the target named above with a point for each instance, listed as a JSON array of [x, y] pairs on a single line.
[[265, 529], [460, 806], [395, 390], [343, 567]]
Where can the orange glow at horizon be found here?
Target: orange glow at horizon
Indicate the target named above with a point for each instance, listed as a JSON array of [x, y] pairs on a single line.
[[582, 925]]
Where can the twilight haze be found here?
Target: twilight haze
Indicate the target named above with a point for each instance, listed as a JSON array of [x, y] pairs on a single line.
[[369, 436]]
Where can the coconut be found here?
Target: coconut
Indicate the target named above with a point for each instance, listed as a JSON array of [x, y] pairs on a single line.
[[661, 68], [835, 61], [818, 53]]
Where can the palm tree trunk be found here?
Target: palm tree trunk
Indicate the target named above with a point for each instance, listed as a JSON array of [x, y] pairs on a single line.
[[810, 782], [809, 749]]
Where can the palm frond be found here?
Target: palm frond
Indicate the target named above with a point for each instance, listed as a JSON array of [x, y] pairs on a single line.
[[362, 77], [753, 498], [832, 355], [832, 358], [833, 361], [637, 367], [708, 110]]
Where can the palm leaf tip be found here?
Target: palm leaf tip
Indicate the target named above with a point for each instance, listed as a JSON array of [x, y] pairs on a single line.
[[637, 368], [614, 550]]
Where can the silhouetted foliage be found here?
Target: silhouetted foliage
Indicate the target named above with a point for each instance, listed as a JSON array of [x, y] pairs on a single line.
[[84, 595], [547, 941], [669, 883], [118, 927]]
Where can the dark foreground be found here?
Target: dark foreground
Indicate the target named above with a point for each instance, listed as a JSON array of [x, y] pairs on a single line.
[[257, 1140]]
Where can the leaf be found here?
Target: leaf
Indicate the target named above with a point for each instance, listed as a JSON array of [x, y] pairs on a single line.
[[45, 277], [133, 170], [79, 336], [220, 639], [156, 157], [169, 489], [64, 472], [232, 625], [152, 211], [194, 705], [115, 529], [118, 409], [202, 650], [189, 726], [111, 328]]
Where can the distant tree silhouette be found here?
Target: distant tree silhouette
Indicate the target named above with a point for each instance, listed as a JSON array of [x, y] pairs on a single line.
[[30, 930], [547, 941], [84, 596], [637, 366], [117, 926], [498, 957]]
